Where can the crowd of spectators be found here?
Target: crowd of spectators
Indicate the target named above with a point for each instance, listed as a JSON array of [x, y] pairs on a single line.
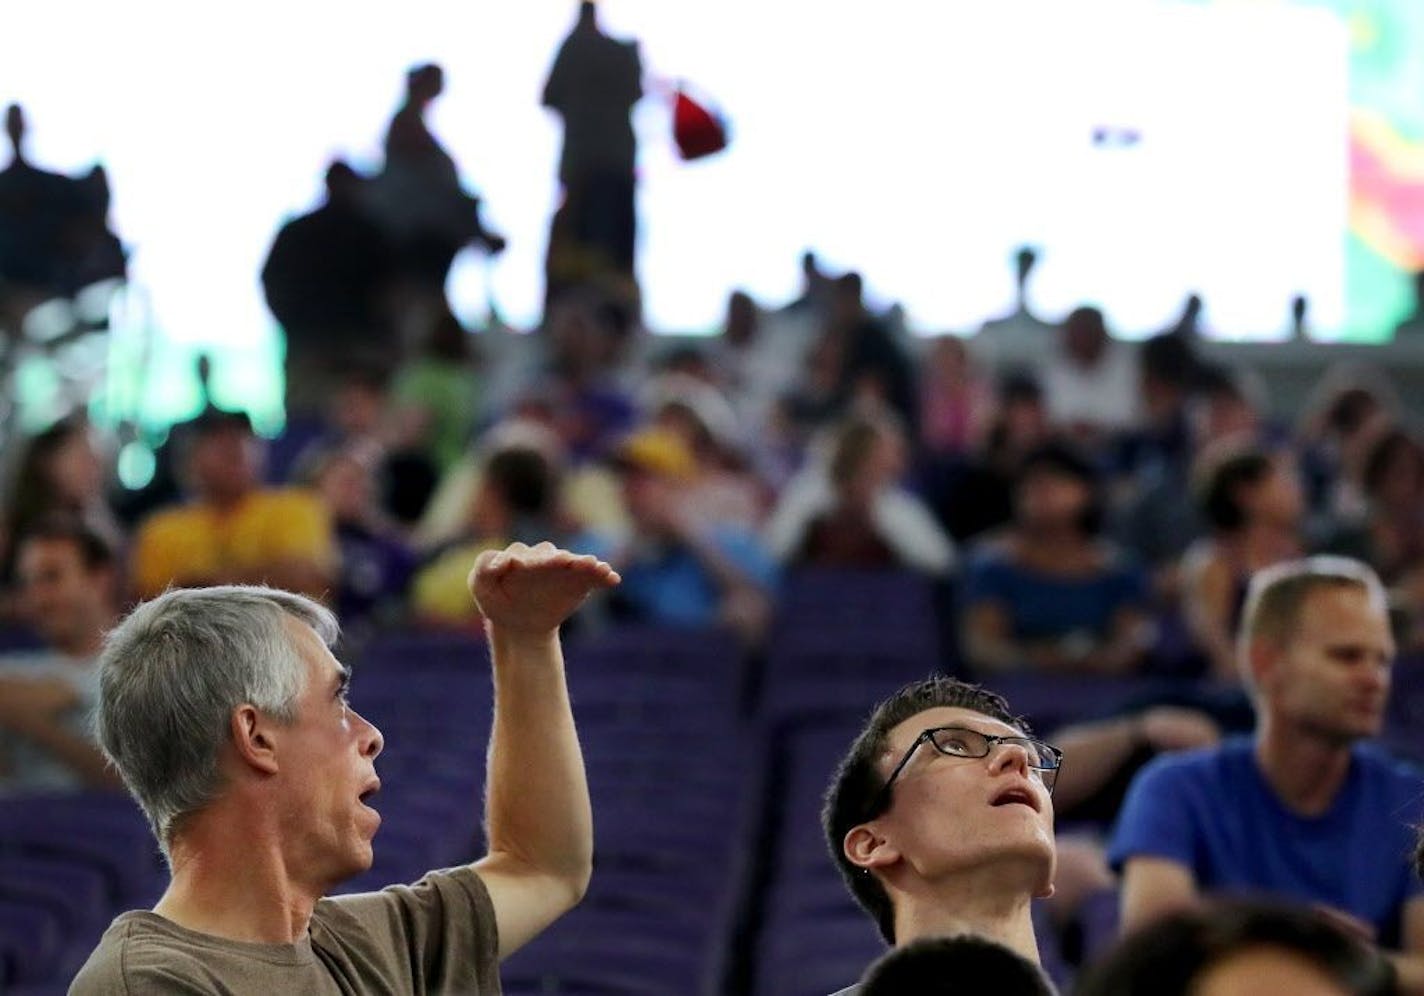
[[1072, 531]]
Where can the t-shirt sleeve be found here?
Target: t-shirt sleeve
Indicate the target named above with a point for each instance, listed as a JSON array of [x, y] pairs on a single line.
[[439, 932], [1155, 820]]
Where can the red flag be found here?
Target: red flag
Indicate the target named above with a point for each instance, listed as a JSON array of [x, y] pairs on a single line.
[[697, 131]]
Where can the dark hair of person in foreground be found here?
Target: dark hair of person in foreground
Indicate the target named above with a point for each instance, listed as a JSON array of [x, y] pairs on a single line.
[[954, 966], [1239, 946]]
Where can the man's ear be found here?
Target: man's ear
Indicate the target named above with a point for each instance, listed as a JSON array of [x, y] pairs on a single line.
[[867, 849], [254, 739], [1262, 661]]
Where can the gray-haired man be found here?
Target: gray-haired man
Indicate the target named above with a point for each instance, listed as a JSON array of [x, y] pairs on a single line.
[[226, 714]]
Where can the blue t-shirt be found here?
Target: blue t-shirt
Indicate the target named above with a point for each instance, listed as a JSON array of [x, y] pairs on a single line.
[[1044, 606], [668, 584], [1213, 811]]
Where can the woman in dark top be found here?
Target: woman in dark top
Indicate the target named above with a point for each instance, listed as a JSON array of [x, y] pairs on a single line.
[[1047, 593]]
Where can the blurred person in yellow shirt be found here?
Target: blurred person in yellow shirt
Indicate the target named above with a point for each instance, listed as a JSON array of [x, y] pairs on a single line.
[[233, 530]]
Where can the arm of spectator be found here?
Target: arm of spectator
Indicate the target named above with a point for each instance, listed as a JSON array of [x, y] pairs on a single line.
[[1095, 752], [1157, 837], [1152, 888], [540, 825], [911, 530], [33, 708], [1207, 592], [1409, 962], [800, 503]]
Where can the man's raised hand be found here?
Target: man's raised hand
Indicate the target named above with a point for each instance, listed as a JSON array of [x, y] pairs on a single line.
[[529, 591]]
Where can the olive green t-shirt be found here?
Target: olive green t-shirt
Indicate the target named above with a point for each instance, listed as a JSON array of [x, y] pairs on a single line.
[[437, 936]]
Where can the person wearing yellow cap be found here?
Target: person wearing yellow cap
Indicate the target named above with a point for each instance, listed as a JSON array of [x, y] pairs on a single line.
[[676, 569]]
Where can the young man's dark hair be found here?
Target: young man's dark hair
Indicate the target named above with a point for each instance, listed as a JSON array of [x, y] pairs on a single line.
[[954, 966], [855, 792], [1170, 957]]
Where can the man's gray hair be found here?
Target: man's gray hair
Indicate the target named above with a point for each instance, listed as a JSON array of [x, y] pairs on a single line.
[[173, 671]]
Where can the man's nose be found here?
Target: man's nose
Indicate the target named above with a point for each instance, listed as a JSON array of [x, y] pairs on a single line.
[[1008, 756], [372, 742]]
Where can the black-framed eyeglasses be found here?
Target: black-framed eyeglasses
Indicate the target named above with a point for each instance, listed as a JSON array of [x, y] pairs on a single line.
[[957, 741]]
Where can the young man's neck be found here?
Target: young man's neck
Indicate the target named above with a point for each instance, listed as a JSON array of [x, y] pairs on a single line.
[[981, 903], [233, 883], [1305, 770]]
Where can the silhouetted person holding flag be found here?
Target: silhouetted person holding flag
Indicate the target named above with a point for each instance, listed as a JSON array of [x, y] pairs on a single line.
[[593, 85]]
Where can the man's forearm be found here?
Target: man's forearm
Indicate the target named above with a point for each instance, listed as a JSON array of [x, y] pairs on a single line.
[[538, 809]]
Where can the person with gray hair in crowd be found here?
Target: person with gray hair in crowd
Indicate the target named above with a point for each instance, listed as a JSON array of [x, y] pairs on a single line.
[[226, 714]]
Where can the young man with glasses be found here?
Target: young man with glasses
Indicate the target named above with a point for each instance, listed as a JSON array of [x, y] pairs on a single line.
[[940, 817], [1307, 811]]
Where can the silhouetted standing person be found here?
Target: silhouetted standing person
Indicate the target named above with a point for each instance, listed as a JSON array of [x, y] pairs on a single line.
[[417, 197], [326, 279], [593, 85], [54, 235]]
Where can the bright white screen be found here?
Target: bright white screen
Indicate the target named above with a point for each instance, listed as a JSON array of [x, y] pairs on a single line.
[[918, 142]]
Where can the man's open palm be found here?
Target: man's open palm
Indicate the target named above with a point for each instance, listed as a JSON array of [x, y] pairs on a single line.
[[523, 589]]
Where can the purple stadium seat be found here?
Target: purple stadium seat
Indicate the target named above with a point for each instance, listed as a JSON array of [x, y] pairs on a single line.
[[31, 942]]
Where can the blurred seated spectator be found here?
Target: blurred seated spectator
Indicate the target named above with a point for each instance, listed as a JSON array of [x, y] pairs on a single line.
[[724, 489], [1241, 949], [1049, 593], [1390, 535], [1309, 810], [1162, 445], [956, 401], [675, 569], [954, 966], [232, 530], [359, 412], [580, 379], [875, 369], [756, 359], [436, 395], [1354, 406], [1090, 381], [328, 282], [977, 495], [518, 501], [591, 492], [60, 470], [1152, 519], [849, 509], [375, 563], [1251, 500], [69, 588]]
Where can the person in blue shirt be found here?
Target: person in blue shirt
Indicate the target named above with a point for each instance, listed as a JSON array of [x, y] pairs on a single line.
[[1048, 593], [1308, 811], [676, 570]]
